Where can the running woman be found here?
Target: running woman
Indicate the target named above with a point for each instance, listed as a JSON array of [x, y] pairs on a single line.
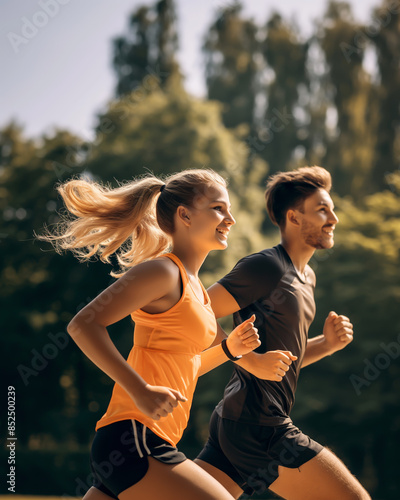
[[253, 443], [134, 452]]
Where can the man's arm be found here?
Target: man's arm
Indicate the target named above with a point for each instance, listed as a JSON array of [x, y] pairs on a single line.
[[337, 334], [222, 302], [271, 365]]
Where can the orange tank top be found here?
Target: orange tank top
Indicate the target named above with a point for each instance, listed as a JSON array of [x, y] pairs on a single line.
[[166, 352]]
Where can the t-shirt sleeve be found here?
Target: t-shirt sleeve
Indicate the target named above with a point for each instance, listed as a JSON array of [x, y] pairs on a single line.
[[253, 278]]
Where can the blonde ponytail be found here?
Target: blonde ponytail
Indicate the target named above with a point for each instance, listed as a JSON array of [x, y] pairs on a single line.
[[134, 221], [107, 220]]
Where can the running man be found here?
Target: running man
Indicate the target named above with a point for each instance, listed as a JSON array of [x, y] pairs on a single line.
[[253, 443]]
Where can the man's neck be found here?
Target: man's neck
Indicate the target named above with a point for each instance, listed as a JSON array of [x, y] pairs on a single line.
[[299, 253]]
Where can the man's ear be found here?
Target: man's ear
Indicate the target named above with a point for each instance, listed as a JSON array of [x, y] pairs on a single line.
[[292, 217], [183, 215]]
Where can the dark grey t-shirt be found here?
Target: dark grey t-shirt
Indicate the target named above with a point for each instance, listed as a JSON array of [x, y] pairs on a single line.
[[267, 284]]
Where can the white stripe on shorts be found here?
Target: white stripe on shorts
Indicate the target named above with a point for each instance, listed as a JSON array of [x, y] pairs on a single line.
[[136, 439], [144, 441]]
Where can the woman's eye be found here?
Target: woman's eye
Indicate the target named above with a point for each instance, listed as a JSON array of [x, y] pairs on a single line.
[[218, 208]]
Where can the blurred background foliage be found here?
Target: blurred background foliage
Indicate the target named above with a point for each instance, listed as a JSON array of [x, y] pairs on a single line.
[[276, 101]]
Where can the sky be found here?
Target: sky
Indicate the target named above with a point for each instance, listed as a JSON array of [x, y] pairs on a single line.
[[56, 54]]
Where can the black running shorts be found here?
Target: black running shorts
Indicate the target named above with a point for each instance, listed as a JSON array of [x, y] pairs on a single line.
[[250, 454], [119, 455]]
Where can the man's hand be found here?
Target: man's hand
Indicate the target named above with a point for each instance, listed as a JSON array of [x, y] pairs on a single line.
[[338, 331], [244, 338]]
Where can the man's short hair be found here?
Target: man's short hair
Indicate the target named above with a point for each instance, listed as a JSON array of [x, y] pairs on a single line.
[[288, 190]]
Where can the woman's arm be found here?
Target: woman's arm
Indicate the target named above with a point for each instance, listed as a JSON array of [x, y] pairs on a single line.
[[145, 284]]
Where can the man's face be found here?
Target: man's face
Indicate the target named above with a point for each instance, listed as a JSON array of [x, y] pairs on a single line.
[[318, 220]]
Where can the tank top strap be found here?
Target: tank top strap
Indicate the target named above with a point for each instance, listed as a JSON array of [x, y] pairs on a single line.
[[184, 276]]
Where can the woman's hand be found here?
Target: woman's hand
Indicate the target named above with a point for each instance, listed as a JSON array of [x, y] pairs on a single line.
[[244, 338], [275, 365], [157, 401]]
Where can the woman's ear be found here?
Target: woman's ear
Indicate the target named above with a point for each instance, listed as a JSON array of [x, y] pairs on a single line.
[[183, 215]]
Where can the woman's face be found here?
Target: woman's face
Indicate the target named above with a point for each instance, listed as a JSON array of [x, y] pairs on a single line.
[[210, 218]]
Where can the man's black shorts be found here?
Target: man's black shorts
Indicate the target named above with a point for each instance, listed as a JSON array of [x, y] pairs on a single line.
[[119, 455], [250, 454]]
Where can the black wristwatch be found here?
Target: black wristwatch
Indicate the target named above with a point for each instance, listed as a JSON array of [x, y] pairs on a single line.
[[228, 352]]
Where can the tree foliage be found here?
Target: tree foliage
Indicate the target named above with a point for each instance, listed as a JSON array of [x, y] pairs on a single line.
[[350, 148], [281, 128], [149, 46], [231, 50], [385, 28]]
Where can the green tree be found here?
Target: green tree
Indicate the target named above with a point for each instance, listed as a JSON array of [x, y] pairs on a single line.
[[385, 35], [352, 121], [148, 49], [231, 50], [282, 129]]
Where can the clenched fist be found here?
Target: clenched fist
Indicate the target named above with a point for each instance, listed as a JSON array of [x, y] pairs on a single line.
[[276, 364], [338, 331], [157, 401]]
